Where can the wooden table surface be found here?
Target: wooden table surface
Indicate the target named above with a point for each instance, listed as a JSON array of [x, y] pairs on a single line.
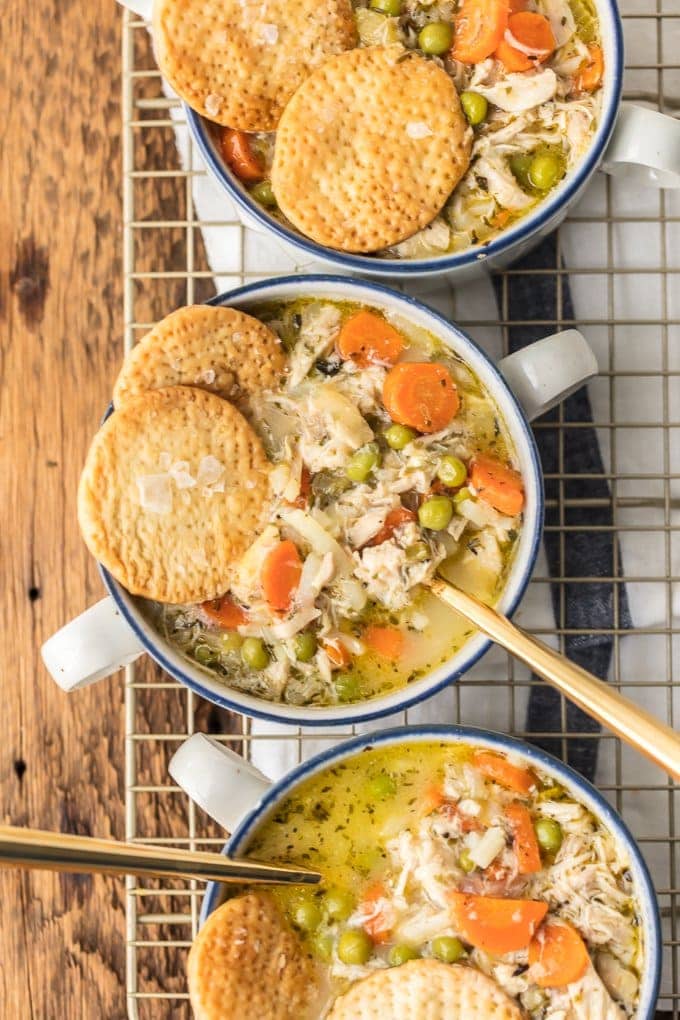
[[61, 757]]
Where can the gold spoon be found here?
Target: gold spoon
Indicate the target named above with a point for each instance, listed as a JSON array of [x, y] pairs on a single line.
[[643, 731], [60, 851]]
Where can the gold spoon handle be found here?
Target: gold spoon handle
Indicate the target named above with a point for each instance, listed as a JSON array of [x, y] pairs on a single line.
[[59, 851], [643, 731]]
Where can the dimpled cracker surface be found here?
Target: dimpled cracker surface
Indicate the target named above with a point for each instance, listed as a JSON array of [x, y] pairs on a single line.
[[174, 490], [425, 990], [247, 964], [238, 62], [369, 149], [217, 349]]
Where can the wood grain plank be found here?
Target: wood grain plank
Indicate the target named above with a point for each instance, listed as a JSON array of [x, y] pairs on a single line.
[[61, 938]]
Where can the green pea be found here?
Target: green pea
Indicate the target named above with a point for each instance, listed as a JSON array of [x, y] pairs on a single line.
[[262, 192], [347, 687], [401, 954], [447, 948], [362, 463], [549, 834], [451, 471], [399, 436], [322, 946], [391, 7], [475, 107], [462, 494], [254, 653], [436, 38], [339, 904], [230, 641], [466, 863], [435, 513], [381, 787], [204, 654], [307, 915], [304, 646], [520, 166], [354, 946], [544, 171]]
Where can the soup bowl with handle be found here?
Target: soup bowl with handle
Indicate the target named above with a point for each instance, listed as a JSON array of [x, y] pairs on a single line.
[[241, 799], [632, 142], [114, 632]]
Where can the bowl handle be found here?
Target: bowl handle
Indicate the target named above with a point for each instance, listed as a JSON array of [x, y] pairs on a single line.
[[544, 373], [93, 645], [139, 7], [219, 781], [644, 148]]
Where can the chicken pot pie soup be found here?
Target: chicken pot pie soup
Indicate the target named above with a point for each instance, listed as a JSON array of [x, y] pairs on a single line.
[[390, 462], [529, 76], [463, 854]]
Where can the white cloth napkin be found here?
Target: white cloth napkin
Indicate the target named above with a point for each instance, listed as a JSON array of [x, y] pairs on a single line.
[[603, 288]]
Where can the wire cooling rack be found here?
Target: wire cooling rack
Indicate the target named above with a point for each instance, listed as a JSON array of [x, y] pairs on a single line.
[[623, 252]]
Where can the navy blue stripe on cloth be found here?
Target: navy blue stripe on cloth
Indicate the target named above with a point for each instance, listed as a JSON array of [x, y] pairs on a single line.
[[583, 553]]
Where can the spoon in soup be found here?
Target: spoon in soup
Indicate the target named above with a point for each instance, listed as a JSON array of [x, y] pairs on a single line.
[[61, 851], [643, 731]]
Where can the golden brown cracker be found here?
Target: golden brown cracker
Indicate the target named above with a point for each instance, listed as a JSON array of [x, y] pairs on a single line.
[[246, 963], [174, 490], [215, 348], [238, 62], [425, 990], [369, 149]]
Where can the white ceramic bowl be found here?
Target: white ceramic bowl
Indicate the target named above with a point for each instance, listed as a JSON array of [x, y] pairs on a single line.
[[241, 799], [524, 385], [629, 140]]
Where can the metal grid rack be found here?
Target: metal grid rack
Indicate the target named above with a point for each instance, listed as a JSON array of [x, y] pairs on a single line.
[[627, 245]]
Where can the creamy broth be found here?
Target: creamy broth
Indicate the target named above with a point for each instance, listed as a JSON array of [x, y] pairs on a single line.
[[412, 840], [370, 520]]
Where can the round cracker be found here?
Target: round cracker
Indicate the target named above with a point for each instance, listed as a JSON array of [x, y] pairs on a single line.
[[218, 349], [238, 62], [426, 990], [369, 149], [246, 963], [158, 534]]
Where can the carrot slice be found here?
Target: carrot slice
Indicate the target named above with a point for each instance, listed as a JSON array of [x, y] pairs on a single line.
[[501, 771], [225, 612], [367, 338], [386, 641], [557, 955], [422, 395], [512, 59], [239, 155], [338, 655], [525, 842], [534, 32], [497, 484], [394, 520], [281, 575], [377, 923], [479, 27], [517, 5], [497, 926], [591, 71]]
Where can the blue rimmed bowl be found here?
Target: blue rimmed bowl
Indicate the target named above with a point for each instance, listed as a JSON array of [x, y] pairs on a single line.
[[212, 776], [628, 150], [115, 631]]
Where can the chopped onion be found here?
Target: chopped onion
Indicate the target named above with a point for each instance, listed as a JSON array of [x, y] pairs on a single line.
[[319, 539], [488, 848], [289, 628]]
